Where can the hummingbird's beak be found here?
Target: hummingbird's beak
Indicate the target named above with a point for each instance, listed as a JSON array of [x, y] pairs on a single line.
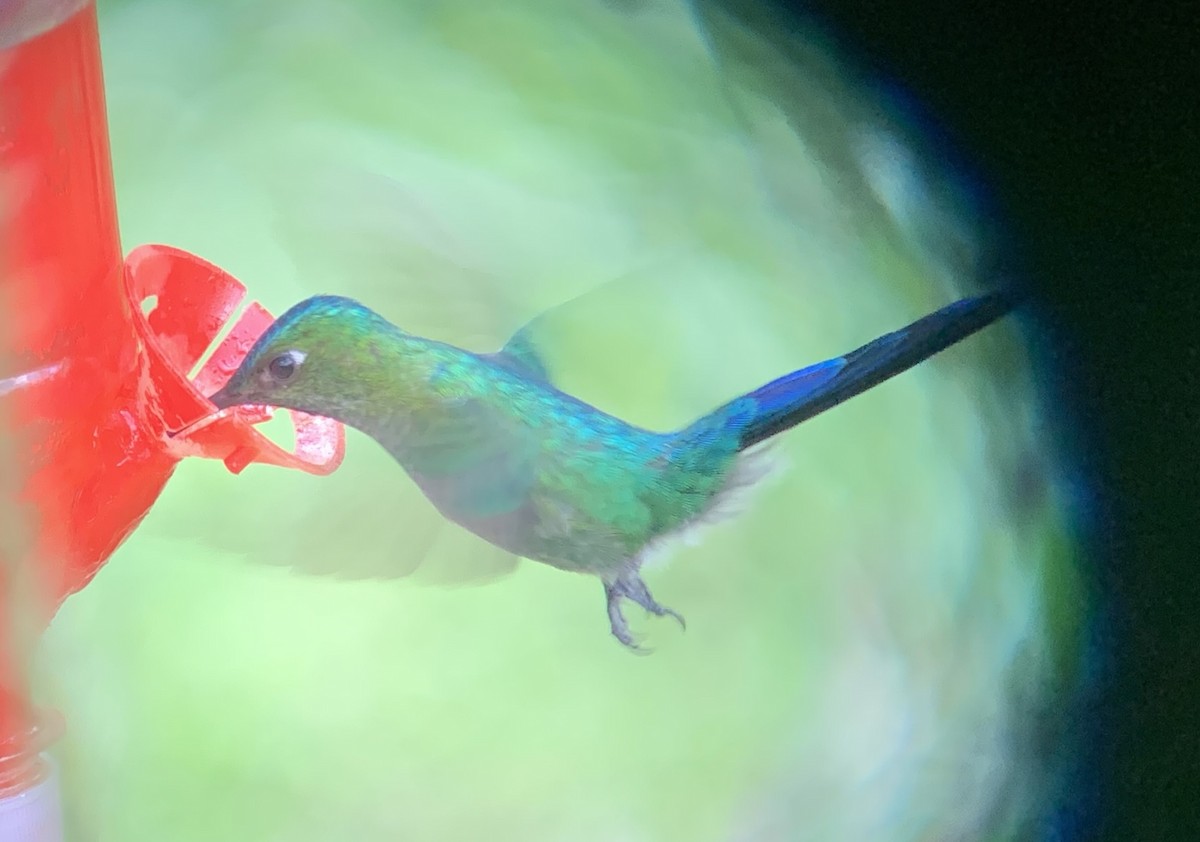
[[222, 398]]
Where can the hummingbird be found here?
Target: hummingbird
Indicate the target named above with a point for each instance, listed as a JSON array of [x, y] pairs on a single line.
[[498, 449]]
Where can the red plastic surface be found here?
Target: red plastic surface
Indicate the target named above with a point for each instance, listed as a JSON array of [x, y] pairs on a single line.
[[193, 302], [96, 406]]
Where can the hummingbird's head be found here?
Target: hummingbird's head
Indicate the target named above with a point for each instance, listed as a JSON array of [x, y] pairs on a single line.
[[323, 356]]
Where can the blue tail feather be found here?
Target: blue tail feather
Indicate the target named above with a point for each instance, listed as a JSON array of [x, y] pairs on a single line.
[[796, 397]]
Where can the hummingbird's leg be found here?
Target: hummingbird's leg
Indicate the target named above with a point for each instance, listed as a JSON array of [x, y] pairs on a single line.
[[614, 593], [630, 585]]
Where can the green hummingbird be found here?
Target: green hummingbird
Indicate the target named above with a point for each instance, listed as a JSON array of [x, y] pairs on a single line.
[[499, 450]]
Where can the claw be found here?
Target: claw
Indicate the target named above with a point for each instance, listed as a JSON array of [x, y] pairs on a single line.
[[616, 618], [632, 587], [675, 615]]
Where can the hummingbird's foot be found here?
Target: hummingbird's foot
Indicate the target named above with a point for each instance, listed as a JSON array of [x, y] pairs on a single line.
[[631, 586]]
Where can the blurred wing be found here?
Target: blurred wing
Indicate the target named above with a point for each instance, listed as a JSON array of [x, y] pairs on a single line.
[[379, 242], [377, 542], [521, 354], [480, 461], [479, 464], [636, 346], [374, 243]]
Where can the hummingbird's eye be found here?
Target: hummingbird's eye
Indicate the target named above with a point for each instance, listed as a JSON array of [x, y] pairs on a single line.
[[283, 367]]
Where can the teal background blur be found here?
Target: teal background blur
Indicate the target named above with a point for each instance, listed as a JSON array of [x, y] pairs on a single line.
[[878, 649]]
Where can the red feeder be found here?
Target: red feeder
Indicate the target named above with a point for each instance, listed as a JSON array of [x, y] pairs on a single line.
[[96, 403]]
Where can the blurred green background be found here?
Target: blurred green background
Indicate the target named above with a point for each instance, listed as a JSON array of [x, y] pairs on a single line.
[[879, 648]]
